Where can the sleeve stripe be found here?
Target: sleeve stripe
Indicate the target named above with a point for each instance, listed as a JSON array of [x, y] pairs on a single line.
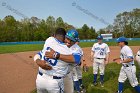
[[39, 53]]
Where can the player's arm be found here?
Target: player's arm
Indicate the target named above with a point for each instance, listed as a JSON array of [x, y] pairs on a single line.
[[115, 59], [107, 55], [129, 59], [91, 56], [73, 58], [107, 58], [92, 53], [41, 63]]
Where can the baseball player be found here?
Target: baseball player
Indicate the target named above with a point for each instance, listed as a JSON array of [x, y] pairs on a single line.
[[71, 39], [51, 81], [128, 69], [138, 57], [100, 54], [76, 72]]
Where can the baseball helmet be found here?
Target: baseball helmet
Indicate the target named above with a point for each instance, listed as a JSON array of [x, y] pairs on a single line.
[[99, 37], [72, 35], [121, 39]]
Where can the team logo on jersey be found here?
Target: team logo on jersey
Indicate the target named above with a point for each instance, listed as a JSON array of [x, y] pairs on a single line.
[[98, 48]]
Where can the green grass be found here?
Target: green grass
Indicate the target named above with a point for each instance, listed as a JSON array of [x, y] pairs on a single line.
[[20, 48], [90, 44], [34, 47], [110, 82]]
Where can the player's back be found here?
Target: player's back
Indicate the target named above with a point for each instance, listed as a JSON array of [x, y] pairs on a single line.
[[59, 67]]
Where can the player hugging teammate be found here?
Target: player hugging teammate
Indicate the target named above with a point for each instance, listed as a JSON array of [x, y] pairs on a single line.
[[55, 61]]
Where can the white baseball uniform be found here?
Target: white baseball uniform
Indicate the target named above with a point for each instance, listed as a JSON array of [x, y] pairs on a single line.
[[128, 70], [100, 52], [52, 80], [75, 71], [138, 57]]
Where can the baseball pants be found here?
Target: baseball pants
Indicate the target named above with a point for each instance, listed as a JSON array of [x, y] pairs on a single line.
[[68, 84], [47, 84], [98, 63], [130, 73]]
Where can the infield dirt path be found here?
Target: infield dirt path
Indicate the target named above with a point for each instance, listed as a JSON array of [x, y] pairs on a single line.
[[18, 71]]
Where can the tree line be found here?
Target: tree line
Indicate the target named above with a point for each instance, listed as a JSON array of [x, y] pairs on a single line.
[[35, 29]]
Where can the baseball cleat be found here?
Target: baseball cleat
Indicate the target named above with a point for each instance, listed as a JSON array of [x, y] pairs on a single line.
[[102, 84], [118, 92], [95, 84]]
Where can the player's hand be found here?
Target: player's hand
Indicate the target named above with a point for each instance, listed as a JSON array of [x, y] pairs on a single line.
[[43, 64], [106, 62], [50, 53], [115, 59], [118, 61], [91, 59], [48, 67]]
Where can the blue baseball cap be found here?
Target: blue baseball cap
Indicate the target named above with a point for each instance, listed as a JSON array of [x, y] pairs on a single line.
[[99, 37], [72, 35], [121, 39]]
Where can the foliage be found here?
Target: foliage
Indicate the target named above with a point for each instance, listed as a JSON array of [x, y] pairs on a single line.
[[126, 24], [35, 29]]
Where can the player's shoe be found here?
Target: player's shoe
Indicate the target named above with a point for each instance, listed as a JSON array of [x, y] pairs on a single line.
[[102, 84], [118, 92], [82, 86], [95, 83]]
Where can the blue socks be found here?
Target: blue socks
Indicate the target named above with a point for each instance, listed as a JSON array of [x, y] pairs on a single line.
[[101, 78], [120, 87], [95, 78], [137, 88], [77, 85], [80, 81]]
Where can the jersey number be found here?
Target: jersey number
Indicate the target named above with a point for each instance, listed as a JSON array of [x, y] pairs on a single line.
[[53, 62], [101, 53]]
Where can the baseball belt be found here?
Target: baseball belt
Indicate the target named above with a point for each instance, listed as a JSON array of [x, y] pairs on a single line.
[[127, 65], [100, 58], [54, 77]]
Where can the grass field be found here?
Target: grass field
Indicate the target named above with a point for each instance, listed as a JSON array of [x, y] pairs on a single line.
[[111, 81], [34, 47]]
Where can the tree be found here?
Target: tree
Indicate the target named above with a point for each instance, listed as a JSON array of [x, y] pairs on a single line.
[[50, 24], [59, 22], [127, 23]]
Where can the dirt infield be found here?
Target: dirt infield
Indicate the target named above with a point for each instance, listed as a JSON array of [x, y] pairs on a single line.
[[18, 71]]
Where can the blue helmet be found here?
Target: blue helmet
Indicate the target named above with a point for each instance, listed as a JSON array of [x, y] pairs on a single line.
[[72, 35], [121, 39], [99, 37]]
